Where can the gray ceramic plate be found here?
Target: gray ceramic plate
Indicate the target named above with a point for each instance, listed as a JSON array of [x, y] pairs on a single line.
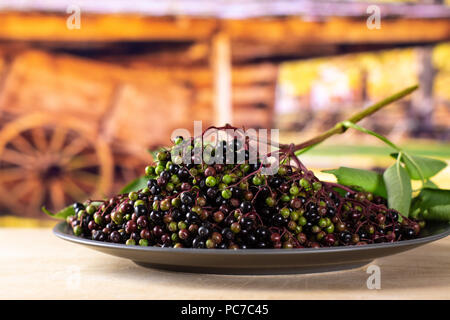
[[256, 261]]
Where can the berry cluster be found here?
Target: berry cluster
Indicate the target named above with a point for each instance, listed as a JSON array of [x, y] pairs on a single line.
[[235, 206]]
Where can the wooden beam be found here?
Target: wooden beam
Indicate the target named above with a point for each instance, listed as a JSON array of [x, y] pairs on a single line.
[[114, 27], [337, 30], [221, 65], [105, 28]]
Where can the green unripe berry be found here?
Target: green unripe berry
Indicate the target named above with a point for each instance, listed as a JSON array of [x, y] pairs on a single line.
[[210, 181], [243, 185], [69, 219], [133, 196], [244, 167], [285, 198], [317, 185], [222, 186], [77, 230], [90, 209], [176, 202], [178, 140], [98, 219], [127, 217], [130, 242], [226, 194], [294, 215], [175, 179], [210, 244], [161, 156], [304, 183], [143, 242], [117, 217], [149, 171], [159, 169], [285, 212], [322, 223], [196, 209], [298, 229], [81, 213], [170, 187], [146, 191], [227, 179], [174, 237], [282, 171], [173, 226], [256, 180], [182, 225], [139, 203], [294, 190], [320, 235], [302, 221], [270, 201], [165, 205], [330, 228], [155, 205]]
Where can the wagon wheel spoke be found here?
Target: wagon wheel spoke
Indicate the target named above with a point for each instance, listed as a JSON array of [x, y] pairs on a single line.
[[85, 178], [39, 139], [21, 189], [73, 190], [57, 194], [36, 198], [76, 146], [57, 139], [11, 174], [23, 145], [82, 162], [17, 158]]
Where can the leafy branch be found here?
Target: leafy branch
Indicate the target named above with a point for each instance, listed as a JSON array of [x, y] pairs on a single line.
[[397, 182]]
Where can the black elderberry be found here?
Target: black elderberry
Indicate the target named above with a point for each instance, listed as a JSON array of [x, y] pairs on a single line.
[[198, 243], [245, 207], [345, 237], [227, 233], [141, 210], [203, 231]]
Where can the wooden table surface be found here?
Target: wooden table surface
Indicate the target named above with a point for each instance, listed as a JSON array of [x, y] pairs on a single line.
[[35, 264]]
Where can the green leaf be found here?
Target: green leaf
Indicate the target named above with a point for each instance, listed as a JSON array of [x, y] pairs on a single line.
[[433, 197], [367, 180], [62, 214], [430, 184], [136, 185], [438, 213], [428, 167], [398, 186]]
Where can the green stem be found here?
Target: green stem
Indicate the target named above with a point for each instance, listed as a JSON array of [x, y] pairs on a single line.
[[339, 128], [348, 124]]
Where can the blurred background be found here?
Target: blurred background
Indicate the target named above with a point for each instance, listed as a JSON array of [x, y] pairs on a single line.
[[87, 87]]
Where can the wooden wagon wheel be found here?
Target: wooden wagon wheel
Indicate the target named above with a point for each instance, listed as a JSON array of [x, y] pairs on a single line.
[[51, 162]]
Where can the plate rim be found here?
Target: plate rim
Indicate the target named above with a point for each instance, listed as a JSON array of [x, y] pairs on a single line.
[[58, 232]]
